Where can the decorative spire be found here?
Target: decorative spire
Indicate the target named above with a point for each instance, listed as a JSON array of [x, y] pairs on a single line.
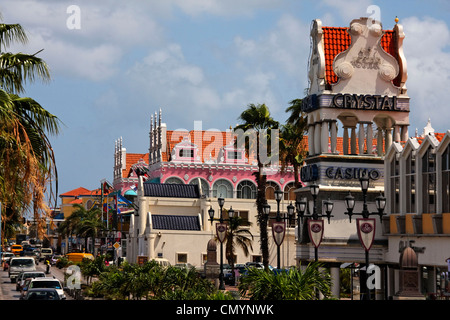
[[396, 19], [428, 129]]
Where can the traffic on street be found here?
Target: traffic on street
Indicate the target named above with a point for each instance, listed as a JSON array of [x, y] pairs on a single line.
[[9, 290]]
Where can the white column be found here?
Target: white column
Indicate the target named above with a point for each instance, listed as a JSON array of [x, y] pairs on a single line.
[[404, 133], [311, 139], [361, 135], [333, 135], [335, 283], [369, 138], [353, 141], [325, 135], [397, 133], [380, 142], [317, 137], [388, 139], [345, 140]]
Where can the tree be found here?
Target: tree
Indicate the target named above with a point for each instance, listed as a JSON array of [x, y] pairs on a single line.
[[237, 236], [292, 148], [257, 119], [83, 223], [292, 284], [27, 162]]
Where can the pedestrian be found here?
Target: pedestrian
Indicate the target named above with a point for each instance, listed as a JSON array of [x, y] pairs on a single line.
[[47, 262]]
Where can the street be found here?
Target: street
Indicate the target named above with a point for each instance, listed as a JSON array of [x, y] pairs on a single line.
[[8, 289]]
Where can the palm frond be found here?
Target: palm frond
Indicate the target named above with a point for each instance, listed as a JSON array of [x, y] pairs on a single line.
[[10, 33]]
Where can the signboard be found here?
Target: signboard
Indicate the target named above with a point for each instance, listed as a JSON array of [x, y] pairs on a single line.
[[366, 232], [141, 260], [221, 230], [278, 231], [315, 230], [355, 102]]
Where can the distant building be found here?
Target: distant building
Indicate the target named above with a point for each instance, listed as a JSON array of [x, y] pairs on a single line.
[[203, 160]]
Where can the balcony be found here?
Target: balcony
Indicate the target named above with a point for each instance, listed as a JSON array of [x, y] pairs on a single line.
[[417, 224]]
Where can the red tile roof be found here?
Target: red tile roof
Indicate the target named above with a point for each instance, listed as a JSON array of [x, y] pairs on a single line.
[[131, 159], [80, 192], [76, 192], [212, 141], [337, 40]]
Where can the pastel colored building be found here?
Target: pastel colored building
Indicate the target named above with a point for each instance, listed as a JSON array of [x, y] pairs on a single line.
[[357, 91], [208, 161]]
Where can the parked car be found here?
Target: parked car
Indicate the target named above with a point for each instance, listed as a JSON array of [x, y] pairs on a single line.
[[6, 256], [42, 294], [20, 281], [47, 283], [79, 256]]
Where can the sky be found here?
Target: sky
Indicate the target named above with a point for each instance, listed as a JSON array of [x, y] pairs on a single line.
[[114, 63]]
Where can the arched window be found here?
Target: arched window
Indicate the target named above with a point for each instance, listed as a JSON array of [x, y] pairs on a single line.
[[271, 187], [246, 190], [222, 188], [289, 193], [204, 185], [394, 180], [410, 174], [429, 181], [174, 180]]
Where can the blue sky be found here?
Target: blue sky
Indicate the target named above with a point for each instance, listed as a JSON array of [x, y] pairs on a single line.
[[199, 60]]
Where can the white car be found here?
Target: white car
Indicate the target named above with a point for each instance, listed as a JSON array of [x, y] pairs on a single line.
[[48, 282], [25, 275]]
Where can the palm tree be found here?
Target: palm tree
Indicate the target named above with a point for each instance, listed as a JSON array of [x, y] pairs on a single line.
[[237, 237], [87, 223], [292, 148], [69, 226], [292, 284], [257, 119], [27, 160]]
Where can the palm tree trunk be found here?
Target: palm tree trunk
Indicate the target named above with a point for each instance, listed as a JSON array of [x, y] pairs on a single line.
[[261, 180]]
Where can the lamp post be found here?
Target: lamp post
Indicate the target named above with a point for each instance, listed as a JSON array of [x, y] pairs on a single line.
[[279, 227], [315, 225], [221, 231], [365, 225]]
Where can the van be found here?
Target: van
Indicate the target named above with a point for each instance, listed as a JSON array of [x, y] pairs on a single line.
[[162, 262], [19, 264], [79, 256], [45, 253]]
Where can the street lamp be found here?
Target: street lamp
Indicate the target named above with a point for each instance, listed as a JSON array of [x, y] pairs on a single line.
[[221, 231], [315, 226], [365, 225], [279, 227]]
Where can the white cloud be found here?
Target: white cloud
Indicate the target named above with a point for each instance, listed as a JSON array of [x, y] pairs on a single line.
[[92, 52], [426, 45], [224, 8]]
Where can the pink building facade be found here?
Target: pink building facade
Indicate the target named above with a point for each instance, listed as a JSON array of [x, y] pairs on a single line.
[[210, 159]]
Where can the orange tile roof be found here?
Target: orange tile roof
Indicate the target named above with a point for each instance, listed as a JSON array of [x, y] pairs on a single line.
[[337, 40], [212, 141], [76, 192], [131, 159]]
